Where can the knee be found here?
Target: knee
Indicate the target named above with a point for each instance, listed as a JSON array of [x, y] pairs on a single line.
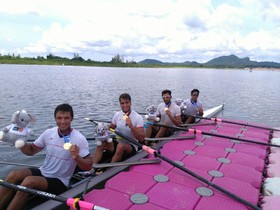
[[28, 182], [13, 177], [120, 148]]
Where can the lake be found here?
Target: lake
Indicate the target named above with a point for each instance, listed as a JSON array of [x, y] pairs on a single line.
[[93, 92]]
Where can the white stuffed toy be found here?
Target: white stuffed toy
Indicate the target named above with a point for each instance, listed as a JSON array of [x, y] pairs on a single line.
[[152, 113], [183, 106], [18, 132], [102, 134]]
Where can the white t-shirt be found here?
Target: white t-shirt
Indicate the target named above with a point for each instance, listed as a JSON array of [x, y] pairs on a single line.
[[191, 107], [174, 110], [58, 162], [18, 130], [136, 119]]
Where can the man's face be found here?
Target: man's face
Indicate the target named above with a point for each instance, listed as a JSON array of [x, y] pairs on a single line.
[[195, 96], [63, 120], [166, 98], [125, 105]]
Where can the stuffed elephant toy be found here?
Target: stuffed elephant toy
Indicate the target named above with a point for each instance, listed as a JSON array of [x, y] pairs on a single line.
[[18, 132], [102, 134]]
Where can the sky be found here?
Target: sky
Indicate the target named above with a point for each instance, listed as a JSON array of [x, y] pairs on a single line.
[[165, 30]]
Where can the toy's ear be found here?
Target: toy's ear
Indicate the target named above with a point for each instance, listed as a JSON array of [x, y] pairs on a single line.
[[15, 117], [32, 118]]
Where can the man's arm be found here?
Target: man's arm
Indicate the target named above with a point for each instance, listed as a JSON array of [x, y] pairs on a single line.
[[200, 111], [30, 149], [176, 120], [138, 132]]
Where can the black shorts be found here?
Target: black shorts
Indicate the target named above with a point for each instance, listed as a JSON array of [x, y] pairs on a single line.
[[55, 185], [125, 156]]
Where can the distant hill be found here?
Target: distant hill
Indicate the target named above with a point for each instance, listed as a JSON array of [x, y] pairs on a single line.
[[150, 61], [231, 61]]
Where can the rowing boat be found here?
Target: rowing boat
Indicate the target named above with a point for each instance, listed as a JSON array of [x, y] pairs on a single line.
[[99, 180]]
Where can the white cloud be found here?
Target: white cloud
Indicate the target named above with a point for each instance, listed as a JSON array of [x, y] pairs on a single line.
[[159, 29]]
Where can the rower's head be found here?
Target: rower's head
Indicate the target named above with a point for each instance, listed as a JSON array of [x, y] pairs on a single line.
[[194, 94], [63, 115], [125, 102], [166, 96]]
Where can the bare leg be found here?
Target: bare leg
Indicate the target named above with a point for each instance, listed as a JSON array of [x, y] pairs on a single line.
[[122, 149], [161, 132], [15, 177], [148, 132], [21, 198], [190, 120], [98, 153]]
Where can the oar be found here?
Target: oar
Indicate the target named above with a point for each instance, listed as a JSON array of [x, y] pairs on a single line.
[[95, 121], [157, 154], [127, 163], [72, 202], [232, 122], [213, 134], [195, 124], [169, 138], [17, 164]]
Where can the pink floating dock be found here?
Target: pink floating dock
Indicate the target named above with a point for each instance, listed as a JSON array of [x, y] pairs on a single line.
[[235, 166]]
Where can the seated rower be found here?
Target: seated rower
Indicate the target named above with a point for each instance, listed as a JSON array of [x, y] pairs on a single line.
[[192, 106], [65, 149], [128, 122], [169, 114]]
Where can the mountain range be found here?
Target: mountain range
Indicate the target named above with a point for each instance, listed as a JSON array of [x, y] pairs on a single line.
[[231, 61]]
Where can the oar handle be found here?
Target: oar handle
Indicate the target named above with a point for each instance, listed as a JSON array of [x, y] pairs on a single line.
[[72, 202]]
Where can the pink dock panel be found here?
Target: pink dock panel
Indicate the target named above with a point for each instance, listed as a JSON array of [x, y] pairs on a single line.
[[201, 162], [252, 149], [218, 202], [178, 176], [153, 169], [218, 142], [242, 173], [209, 151], [173, 196], [242, 189], [109, 199], [247, 160], [129, 182]]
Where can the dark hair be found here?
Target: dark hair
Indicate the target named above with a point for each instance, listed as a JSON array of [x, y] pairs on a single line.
[[195, 90], [64, 108], [124, 96], [166, 91]]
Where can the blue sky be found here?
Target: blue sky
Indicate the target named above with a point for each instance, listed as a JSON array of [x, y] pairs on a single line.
[[166, 30]]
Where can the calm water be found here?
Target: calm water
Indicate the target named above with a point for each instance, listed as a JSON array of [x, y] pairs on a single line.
[[93, 92]]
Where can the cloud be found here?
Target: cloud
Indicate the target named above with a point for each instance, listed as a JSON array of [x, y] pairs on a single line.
[[167, 30]]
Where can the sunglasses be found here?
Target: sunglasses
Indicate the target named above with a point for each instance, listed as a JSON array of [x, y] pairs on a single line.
[[166, 97]]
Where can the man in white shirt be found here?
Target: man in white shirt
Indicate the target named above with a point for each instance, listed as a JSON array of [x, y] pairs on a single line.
[[65, 148], [128, 122], [192, 107], [169, 114]]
